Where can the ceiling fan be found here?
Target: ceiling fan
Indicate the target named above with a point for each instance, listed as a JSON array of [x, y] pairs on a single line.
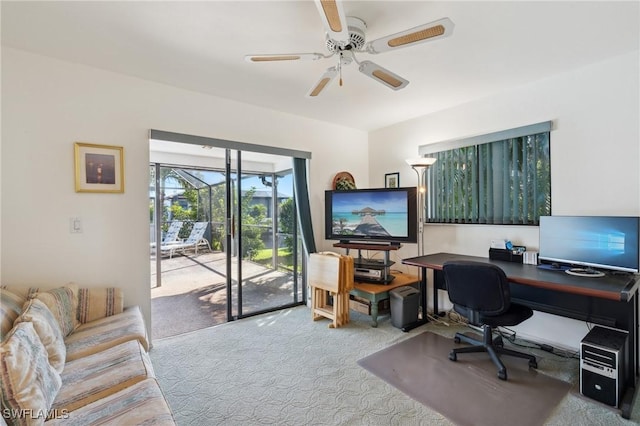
[[345, 36]]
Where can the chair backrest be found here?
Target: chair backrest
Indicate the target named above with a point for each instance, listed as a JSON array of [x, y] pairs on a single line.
[[477, 286], [197, 232], [172, 232]]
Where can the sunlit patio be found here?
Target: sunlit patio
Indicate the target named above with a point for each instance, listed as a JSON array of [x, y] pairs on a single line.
[[193, 291]]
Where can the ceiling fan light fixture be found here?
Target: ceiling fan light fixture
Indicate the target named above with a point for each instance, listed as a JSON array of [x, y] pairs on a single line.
[[382, 75], [346, 35], [417, 36]]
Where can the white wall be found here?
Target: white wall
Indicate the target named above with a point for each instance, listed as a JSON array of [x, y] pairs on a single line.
[[47, 105], [595, 153]]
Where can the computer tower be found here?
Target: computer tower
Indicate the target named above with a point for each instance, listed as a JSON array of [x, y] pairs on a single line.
[[602, 364]]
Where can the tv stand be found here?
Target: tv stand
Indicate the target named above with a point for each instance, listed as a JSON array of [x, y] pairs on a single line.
[[384, 266], [374, 294], [368, 244]]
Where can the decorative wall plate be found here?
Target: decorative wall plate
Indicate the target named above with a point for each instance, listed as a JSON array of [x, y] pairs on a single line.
[[343, 181]]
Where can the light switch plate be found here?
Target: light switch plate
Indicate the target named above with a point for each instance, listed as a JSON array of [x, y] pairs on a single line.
[[75, 225]]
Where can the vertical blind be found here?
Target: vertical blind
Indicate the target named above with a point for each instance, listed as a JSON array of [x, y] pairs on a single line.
[[506, 181]]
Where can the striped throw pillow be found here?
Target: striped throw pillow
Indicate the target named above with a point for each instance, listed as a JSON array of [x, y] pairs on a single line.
[[63, 304], [29, 384]]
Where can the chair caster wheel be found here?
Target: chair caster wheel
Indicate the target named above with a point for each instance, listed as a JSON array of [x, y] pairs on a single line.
[[533, 364], [456, 339], [502, 375], [453, 356], [498, 342]]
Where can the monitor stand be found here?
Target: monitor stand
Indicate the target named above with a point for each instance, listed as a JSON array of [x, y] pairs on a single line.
[[580, 272]]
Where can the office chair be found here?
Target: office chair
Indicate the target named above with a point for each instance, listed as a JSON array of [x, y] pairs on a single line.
[[480, 292]]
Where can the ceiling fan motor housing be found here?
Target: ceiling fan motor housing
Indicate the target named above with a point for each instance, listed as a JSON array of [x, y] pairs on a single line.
[[356, 27]]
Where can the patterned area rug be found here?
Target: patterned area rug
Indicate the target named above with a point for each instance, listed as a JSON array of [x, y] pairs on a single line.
[[468, 391]]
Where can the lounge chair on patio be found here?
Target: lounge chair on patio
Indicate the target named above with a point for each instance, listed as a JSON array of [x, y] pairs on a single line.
[[196, 238], [171, 236]]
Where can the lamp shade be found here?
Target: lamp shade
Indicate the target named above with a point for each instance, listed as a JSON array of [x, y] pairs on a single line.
[[421, 161]]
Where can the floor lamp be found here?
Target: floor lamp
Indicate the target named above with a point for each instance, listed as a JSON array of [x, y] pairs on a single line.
[[420, 165]]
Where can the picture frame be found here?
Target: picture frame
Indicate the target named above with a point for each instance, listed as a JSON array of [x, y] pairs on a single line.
[[392, 180], [99, 168]]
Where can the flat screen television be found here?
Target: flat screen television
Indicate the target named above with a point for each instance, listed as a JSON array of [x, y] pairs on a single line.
[[379, 215], [604, 242]]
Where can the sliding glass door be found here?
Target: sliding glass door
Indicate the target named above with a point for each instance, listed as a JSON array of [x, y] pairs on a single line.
[[266, 263], [248, 259], [268, 255]]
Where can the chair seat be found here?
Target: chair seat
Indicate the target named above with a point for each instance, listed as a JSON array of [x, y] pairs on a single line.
[[195, 239], [513, 316]]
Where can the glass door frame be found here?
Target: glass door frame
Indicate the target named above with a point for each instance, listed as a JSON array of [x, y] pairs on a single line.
[[298, 276]]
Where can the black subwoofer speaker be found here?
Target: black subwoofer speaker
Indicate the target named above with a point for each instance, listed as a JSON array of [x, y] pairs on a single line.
[[602, 361]]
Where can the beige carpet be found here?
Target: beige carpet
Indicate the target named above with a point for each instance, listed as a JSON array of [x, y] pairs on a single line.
[[285, 369], [467, 392]]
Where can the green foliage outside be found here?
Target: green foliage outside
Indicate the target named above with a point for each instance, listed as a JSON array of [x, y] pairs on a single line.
[[254, 217], [286, 222], [188, 215], [217, 215], [285, 258]]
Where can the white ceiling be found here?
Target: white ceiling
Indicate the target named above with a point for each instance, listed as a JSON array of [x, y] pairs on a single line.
[[200, 46]]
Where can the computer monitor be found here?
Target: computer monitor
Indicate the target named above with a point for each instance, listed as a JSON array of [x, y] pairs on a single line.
[[603, 242]]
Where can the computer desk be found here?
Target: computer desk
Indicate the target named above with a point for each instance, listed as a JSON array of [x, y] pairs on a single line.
[[610, 300]]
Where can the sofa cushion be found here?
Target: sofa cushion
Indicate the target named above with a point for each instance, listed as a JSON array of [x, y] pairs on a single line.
[[10, 308], [140, 404], [48, 331], [22, 291], [63, 303], [96, 376], [98, 335], [96, 303], [29, 384]]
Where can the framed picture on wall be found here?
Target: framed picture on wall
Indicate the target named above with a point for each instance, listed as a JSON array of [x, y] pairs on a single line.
[[392, 180], [99, 168]]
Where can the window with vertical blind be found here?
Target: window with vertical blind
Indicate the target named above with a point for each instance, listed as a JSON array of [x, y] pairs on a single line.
[[503, 178]]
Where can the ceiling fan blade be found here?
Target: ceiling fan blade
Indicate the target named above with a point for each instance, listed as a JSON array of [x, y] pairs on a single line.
[[285, 57], [420, 34], [334, 19], [382, 75], [324, 81]]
